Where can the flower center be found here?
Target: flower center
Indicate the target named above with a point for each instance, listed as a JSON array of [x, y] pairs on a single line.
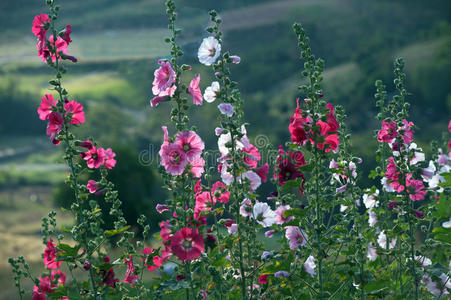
[[187, 244], [186, 147], [212, 52]]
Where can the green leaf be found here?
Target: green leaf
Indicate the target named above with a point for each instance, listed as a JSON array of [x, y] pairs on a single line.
[[110, 233], [294, 212]]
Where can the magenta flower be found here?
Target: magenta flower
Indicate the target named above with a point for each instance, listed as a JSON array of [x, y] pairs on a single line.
[[75, 110], [129, 276], [296, 237], [47, 103], [195, 91], [60, 44], [94, 157], [219, 192], [388, 132], [203, 203], [50, 256], [92, 186], [190, 143], [407, 136], [155, 101], [393, 176], [252, 156], [156, 260], [164, 80], [187, 244], [54, 126], [66, 34], [173, 158], [415, 188], [110, 162], [262, 172]]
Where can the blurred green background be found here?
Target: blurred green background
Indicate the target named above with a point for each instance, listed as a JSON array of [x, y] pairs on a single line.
[[118, 43]]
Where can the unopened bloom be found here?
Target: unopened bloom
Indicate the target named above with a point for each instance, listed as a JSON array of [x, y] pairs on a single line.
[[161, 208], [279, 274], [235, 59], [194, 90], [209, 51]]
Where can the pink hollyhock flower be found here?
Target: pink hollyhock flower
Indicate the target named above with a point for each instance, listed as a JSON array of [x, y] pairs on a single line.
[[39, 23], [187, 244], [110, 162], [86, 144], [252, 156], [161, 208], [195, 91], [263, 279], [190, 143], [75, 110], [211, 92], [38, 294], [407, 136], [50, 256], [94, 157], [388, 132], [165, 230], [209, 51], [263, 214], [419, 214], [173, 158], [393, 176], [331, 121], [61, 46], [197, 167], [269, 233], [296, 236], [58, 276], [54, 126], [158, 99], [66, 34], [92, 186], [204, 295], [45, 285], [45, 109], [232, 229], [108, 275], [297, 126], [226, 109], [255, 180], [164, 80], [279, 214], [219, 192], [309, 266], [198, 187], [246, 208], [156, 260], [262, 172], [129, 276], [203, 203], [415, 188]]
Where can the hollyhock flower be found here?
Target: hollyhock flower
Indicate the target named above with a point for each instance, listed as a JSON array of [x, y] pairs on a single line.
[[58, 276], [95, 157], [155, 101], [262, 172], [187, 244], [218, 131], [341, 189], [219, 192], [45, 109], [297, 126], [198, 187], [164, 80], [39, 22], [110, 162], [156, 260], [129, 276], [393, 176], [226, 109], [66, 34], [415, 188], [45, 285], [50, 256], [386, 186], [370, 201], [447, 224], [263, 279], [108, 275], [392, 204], [331, 121], [203, 203], [194, 90], [407, 136], [92, 186], [372, 218], [279, 214], [419, 214], [37, 294], [309, 266], [263, 214], [296, 236], [246, 208], [165, 230], [269, 234], [86, 144], [61, 46], [190, 143], [235, 59], [435, 289], [204, 295], [371, 254], [161, 208], [266, 255], [254, 179], [233, 228], [209, 51], [54, 126], [197, 167], [173, 158], [211, 92], [388, 132], [279, 274], [75, 110], [423, 260], [382, 241], [252, 156], [288, 171]]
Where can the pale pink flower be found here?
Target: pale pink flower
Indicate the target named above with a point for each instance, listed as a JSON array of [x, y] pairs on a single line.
[[372, 253], [161, 208], [382, 241], [269, 233], [235, 59], [279, 214], [246, 208], [226, 109], [209, 51], [194, 90], [155, 101], [173, 158], [255, 180], [296, 236]]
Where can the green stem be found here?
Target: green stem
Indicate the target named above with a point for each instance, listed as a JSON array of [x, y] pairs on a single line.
[[318, 225]]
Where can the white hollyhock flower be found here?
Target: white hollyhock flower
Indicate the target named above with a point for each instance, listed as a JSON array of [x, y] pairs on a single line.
[[370, 201], [263, 214], [382, 241], [372, 218], [372, 254], [253, 177], [309, 265], [209, 51], [210, 92]]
